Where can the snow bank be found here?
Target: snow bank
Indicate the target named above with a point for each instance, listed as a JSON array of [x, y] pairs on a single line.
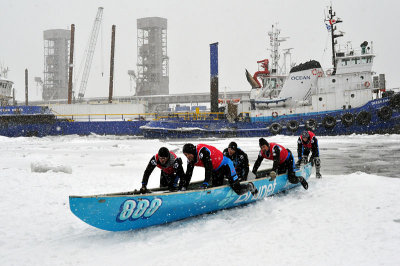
[[37, 167]]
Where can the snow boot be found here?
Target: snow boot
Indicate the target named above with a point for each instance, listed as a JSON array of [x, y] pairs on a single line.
[[317, 167]]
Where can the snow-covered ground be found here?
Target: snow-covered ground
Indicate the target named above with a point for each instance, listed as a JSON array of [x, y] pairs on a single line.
[[349, 217]]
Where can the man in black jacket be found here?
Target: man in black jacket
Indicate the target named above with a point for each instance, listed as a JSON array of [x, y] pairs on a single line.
[[171, 170], [306, 144], [283, 161], [239, 159], [217, 167]]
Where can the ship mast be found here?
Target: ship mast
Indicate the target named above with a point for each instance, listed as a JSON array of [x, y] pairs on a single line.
[[333, 20], [275, 41]]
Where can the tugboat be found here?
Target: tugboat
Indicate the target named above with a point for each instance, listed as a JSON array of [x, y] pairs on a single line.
[[345, 99]]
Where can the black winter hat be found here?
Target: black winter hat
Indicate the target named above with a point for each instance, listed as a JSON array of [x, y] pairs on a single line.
[[189, 148], [163, 152], [262, 142], [233, 146]]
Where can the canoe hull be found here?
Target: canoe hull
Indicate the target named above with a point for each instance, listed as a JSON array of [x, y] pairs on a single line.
[[118, 212]]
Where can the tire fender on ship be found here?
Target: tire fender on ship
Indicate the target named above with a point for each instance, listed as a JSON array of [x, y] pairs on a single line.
[[292, 125], [394, 101], [311, 124], [275, 128], [347, 119], [329, 122], [363, 118], [384, 113]]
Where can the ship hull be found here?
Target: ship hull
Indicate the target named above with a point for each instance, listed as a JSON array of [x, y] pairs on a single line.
[[375, 117]]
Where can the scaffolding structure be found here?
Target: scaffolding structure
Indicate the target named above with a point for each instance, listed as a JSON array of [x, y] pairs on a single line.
[[56, 53], [152, 64]]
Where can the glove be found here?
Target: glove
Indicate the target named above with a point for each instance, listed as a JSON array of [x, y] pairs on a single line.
[[312, 160], [272, 174], [298, 163], [204, 185], [143, 189]]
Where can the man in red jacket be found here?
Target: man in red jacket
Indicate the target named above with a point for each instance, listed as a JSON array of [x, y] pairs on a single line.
[[283, 161], [307, 143], [217, 167], [171, 170]]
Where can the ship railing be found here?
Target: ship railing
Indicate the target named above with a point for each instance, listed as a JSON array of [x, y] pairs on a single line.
[[189, 116], [202, 116], [107, 117], [185, 116], [348, 50]]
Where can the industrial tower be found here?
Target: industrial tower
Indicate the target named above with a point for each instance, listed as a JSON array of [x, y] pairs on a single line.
[[56, 52], [152, 64]]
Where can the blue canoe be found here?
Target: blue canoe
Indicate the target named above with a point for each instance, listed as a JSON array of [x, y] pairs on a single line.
[[127, 211]]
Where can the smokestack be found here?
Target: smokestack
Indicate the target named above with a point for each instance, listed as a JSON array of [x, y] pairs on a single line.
[[26, 86], [110, 91], [214, 76], [71, 63]]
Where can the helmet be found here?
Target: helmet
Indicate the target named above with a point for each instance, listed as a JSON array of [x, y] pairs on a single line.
[[189, 148], [233, 146], [163, 152], [262, 142], [305, 134]]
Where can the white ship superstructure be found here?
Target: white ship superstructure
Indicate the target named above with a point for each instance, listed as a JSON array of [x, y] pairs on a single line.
[[5, 87]]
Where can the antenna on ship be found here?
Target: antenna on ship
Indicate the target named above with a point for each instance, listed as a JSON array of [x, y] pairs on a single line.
[[333, 20], [275, 41], [3, 71]]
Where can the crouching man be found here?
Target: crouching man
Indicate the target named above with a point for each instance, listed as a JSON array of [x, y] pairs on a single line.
[[239, 159], [171, 170], [217, 167], [283, 161], [308, 142]]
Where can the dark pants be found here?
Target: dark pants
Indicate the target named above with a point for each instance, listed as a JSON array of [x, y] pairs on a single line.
[[306, 152], [225, 171], [241, 174], [288, 166], [170, 181]]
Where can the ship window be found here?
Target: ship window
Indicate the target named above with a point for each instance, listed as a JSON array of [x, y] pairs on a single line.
[[352, 95], [362, 77], [363, 60], [356, 60], [333, 80], [345, 62], [320, 99]]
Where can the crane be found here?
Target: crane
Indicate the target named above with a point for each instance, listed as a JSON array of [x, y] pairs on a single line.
[[89, 52]]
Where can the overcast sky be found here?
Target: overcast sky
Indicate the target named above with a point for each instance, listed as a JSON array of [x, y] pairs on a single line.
[[239, 26]]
